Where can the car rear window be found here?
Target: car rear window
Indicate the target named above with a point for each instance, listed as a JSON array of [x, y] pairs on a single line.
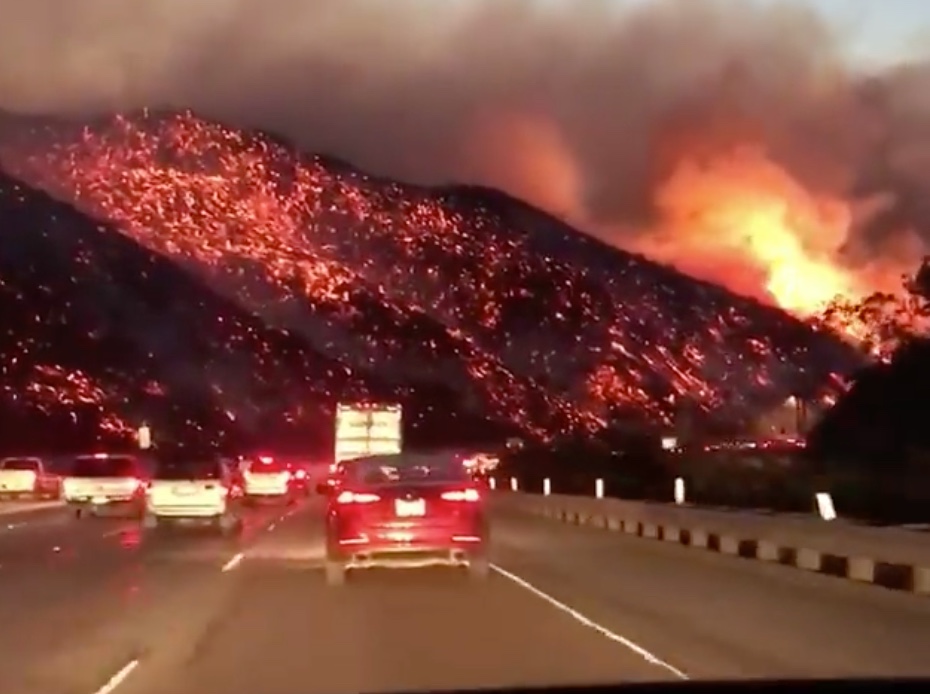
[[384, 470], [20, 464], [112, 466], [267, 465], [199, 470]]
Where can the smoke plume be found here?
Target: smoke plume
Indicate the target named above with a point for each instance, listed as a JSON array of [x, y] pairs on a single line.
[[730, 139]]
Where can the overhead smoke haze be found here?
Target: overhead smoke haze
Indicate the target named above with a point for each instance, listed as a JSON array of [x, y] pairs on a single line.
[[729, 139]]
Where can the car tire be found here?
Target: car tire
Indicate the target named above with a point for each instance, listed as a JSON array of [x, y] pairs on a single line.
[[335, 573], [479, 568], [79, 513]]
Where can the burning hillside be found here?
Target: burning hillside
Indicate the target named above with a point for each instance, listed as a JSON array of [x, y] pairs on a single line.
[[274, 229], [100, 334]]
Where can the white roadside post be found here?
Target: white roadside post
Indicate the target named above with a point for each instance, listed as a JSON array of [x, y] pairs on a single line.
[[144, 437], [679, 490], [492, 482], [599, 488], [825, 506], [513, 484], [547, 487]]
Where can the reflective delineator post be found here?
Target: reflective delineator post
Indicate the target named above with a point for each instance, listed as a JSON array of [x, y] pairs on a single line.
[[825, 506], [144, 437], [547, 487], [492, 482], [599, 488], [513, 484], [679, 490]]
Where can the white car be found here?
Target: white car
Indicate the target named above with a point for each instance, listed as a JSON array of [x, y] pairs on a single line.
[[267, 479], [104, 482], [27, 478], [191, 492]]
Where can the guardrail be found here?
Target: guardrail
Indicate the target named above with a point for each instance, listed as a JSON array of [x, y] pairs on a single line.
[[822, 501], [777, 478], [894, 558]]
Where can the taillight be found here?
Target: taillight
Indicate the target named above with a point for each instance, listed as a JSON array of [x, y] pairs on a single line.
[[461, 495], [300, 474], [357, 498]]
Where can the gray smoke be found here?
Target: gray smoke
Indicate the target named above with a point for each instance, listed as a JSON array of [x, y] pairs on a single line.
[[582, 107]]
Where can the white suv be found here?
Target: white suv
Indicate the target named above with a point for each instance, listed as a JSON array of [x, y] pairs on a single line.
[[191, 492], [268, 479]]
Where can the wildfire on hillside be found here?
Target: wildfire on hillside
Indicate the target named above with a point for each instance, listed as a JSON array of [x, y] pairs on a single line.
[[739, 219], [222, 200], [52, 388]]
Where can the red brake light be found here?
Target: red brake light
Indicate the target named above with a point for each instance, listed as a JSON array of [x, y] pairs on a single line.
[[356, 498], [300, 474], [462, 495], [265, 459]]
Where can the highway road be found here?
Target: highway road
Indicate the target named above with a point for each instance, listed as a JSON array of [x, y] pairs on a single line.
[[97, 606]]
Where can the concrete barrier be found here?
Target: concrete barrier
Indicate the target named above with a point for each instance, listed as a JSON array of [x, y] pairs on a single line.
[[893, 558]]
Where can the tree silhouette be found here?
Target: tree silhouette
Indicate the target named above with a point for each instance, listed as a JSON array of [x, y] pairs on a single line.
[[884, 321]]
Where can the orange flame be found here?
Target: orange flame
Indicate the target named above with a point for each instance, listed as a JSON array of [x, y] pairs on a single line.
[[739, 219]]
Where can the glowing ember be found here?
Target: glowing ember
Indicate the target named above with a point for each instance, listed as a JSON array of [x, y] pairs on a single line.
[[161, 346], [524, 301], [51, 389]]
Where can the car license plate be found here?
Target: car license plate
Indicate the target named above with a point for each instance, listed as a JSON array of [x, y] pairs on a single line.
[[185, 490], [99, 500], [406, 509]]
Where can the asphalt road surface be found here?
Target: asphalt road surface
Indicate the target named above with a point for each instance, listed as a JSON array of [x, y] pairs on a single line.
[[97, 606]]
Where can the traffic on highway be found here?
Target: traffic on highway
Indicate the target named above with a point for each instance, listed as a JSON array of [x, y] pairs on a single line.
[[381, 347], [332, 591]]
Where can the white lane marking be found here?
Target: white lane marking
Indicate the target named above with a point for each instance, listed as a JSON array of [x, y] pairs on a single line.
[[24, 507], [233, 562], [591, 624], [118, 678], [237, 558], [287, 514]]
